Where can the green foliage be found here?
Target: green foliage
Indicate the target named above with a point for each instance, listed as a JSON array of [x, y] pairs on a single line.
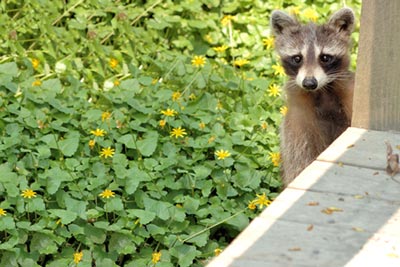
[[131, 188]]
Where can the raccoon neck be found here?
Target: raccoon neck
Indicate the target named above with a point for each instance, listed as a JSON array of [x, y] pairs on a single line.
[[329, 108]]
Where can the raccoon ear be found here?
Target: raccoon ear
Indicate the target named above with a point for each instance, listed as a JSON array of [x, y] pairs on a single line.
[[343, 20], [280, 21]]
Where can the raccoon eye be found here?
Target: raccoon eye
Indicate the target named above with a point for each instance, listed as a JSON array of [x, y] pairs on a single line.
[[297, 59], [325, 58]]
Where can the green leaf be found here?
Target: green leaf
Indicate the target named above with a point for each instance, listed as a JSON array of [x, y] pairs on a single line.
[[201, 171], [53, 85], [9, 68], [94, 234], [239, 222], [9, 244], [43, 243], [113, 204], [144, 216], [191, 204], [7, 176], [35, 204], [160, 208], [121, 243], [54, 178], [185, 254], [69, 145], [127, 140], [148, 145], [66, 216], [6, 223]]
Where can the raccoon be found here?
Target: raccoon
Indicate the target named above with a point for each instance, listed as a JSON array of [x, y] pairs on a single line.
[[319, 90]]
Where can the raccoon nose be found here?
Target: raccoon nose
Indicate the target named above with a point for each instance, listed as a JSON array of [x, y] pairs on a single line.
[[310, 83]]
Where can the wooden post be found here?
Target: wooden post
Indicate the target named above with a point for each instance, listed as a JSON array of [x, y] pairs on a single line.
[[376, 103]]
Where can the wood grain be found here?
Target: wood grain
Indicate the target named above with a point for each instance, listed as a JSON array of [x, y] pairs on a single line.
[[376, 103]]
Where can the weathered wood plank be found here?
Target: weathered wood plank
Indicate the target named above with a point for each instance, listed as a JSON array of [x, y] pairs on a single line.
[[348, 180], [361, 147], [289, 244], [353, 212], [377, 95]]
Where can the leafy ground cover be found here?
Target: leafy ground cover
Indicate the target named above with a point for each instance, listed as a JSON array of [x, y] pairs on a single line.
[[137, 133]]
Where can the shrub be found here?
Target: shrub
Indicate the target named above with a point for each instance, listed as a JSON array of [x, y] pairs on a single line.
[[136, 134]]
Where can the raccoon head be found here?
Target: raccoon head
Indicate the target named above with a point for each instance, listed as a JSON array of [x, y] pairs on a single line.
[[314, 55]]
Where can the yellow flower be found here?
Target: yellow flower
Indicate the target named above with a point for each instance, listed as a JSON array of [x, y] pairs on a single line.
[[211, 139], [198, 61], [219, 106], [98, 132], [107, 194], [78, 257], [178, 132], [284, 110], [275, 157], [155, 257], [261, 201], [28, 193], [176, 96], [273, 90], [264, 125], [92, 143], [37, 83], [227, 19], [269, 42], [295, 10], [162, 123], [113, 63], [251, 205], [310, 14], [208, 38], [105, 116], [217, 251], [278, 70], [117, 82], [169, 112], [3, 212], [240, 62], [192, 97], [107, 152], [35, 63], [222, 154], [202, 125], [220, 49]]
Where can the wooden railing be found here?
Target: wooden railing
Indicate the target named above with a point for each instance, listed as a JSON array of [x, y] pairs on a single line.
[[376, 103]]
